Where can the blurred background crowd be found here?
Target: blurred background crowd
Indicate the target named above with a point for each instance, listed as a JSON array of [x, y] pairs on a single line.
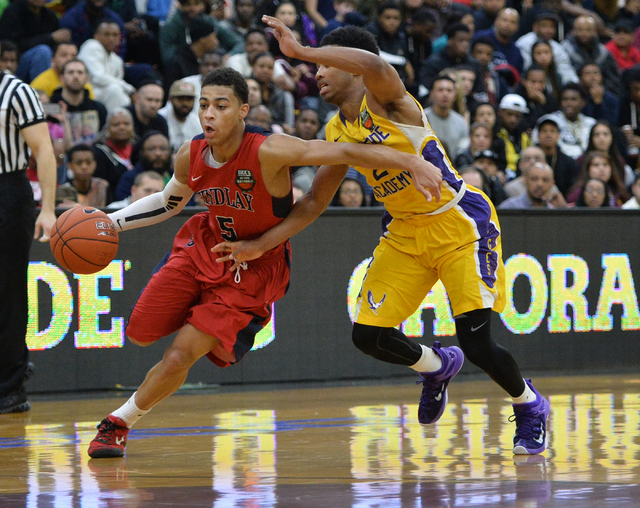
[[535, 101]]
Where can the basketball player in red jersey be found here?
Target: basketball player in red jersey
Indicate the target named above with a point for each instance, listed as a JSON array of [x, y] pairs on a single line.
[[242, 174]]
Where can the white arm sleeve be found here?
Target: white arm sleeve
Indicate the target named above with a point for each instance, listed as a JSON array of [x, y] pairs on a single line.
[[154, 208]]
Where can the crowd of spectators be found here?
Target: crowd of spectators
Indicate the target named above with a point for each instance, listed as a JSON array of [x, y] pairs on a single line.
[[535, 101]]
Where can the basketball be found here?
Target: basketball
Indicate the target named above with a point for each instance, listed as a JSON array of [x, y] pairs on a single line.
[[84, 240]]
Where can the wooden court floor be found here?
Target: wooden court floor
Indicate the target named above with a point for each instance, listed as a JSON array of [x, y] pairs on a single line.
[[340, 446]]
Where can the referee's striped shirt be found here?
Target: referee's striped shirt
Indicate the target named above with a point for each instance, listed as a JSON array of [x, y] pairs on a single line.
[[20, 107]]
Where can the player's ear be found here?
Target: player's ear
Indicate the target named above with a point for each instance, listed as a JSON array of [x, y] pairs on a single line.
[[244, 111]]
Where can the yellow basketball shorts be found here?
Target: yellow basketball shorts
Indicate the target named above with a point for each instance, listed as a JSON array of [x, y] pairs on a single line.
[[461, 247]]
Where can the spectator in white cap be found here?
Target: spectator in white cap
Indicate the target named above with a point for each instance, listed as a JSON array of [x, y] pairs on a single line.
[[511, 111], [180, 115]]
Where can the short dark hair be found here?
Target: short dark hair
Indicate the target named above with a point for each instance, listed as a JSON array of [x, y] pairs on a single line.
[[58, 45], [254, 30], [352, 37], [532, 68], [226, 76], [7, 46], [80, 147], [482, 40], [576, 87], [444, 77], [455, 28], [586, 64], [388, 4]]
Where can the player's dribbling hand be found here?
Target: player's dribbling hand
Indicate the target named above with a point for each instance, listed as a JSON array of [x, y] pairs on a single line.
[[283, 34], [427, 179], [239, 252]]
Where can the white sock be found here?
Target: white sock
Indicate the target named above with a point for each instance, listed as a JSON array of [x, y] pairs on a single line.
[[430, 361], [129, 413], [527, 396]]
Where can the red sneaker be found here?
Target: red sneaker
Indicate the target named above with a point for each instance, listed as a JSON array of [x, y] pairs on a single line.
[[110, 440]]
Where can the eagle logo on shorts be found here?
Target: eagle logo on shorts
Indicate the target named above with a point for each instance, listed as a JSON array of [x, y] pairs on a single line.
[[245, 179], [372, 302]]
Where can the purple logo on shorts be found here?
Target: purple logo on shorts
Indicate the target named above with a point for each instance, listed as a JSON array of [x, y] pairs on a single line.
[[372, 302]]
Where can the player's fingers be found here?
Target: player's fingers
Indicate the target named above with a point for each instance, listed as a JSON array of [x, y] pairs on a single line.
[[37, 232], [224, 259], [437, 192], [223, 247]]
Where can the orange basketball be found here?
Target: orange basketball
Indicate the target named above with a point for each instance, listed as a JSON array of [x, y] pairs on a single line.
[[84, 240]]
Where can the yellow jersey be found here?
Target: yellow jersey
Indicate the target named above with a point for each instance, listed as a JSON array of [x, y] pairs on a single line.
[[395, 188]]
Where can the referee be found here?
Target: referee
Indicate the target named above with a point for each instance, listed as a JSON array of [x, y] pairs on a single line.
[[23, 132]]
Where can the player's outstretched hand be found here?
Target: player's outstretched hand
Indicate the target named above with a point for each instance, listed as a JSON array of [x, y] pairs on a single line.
[[427, 179], [239, 252], [283, 34]]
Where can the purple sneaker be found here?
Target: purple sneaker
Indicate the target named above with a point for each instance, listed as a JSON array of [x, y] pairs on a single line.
[[531, 425], [434, 384]]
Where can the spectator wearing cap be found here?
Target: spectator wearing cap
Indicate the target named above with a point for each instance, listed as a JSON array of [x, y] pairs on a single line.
[[176, 32], [511, 112], [487, 161], [540, 193], [545, 29], [502, 35], [456, 52], [575, 127], [144, 110], [565, 169], [186, 60], [625, 55], [450, 127], [106, 68], [182, 119], [584, 46]]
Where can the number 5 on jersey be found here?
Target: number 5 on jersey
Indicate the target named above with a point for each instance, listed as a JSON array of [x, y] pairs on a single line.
[[226, 228]]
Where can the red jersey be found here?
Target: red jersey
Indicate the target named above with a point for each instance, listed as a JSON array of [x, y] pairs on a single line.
[[240, 207]]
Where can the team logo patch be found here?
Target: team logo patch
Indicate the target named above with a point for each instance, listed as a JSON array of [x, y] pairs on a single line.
[[366, 121], [245, 179], [373, 305]]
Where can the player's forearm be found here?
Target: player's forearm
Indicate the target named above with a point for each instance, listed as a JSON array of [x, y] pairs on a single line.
[[153, 209], [354, 61], [377, 157]]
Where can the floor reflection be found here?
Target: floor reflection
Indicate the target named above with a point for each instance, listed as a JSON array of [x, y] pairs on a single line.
[[337, 448]]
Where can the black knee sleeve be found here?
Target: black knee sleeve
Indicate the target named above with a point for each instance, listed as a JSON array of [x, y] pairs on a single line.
[[474, 334], [386, 344]]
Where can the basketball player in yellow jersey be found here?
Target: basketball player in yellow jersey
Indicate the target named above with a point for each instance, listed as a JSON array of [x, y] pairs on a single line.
[[455, 239]]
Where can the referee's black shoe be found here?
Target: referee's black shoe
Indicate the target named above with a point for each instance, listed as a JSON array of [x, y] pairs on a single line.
[[15, 402]]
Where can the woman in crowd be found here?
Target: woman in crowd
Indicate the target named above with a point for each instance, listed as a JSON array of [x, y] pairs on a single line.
[[593, 194], [599, 165]]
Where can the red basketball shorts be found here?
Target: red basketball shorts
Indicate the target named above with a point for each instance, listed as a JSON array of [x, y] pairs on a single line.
[[209, 298]]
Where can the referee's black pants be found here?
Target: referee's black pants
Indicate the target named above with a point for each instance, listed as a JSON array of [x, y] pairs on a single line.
[[17, 223]]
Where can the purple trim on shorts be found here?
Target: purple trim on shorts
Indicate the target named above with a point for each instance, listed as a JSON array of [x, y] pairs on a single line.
[[433, 154], [386, 220], [478, 210]]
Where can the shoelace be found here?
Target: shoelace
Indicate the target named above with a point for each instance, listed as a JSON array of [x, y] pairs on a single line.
[[434, 388], [105, 428], [244, 266], [527, 426]]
